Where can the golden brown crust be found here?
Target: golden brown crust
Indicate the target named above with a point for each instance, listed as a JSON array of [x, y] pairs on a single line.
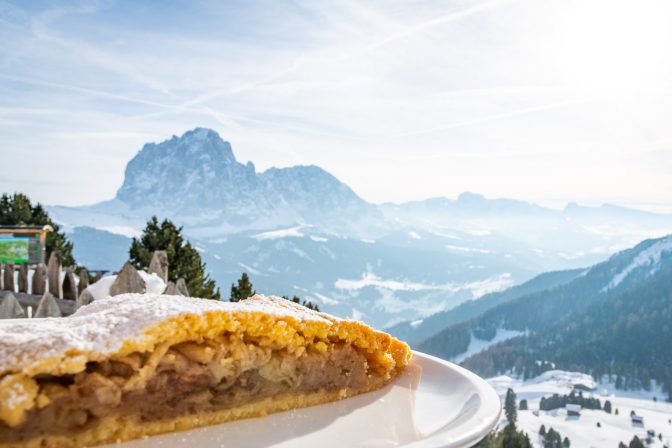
[[122, 325], [133, 322]]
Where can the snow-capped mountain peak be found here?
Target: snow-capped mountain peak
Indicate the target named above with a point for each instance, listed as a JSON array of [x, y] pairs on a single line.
[[197, 178]]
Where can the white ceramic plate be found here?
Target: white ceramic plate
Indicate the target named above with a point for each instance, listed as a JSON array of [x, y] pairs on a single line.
[[434, 403]]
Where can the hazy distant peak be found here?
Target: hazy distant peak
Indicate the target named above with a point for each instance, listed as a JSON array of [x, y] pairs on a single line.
[[304, 172], [468, 196]]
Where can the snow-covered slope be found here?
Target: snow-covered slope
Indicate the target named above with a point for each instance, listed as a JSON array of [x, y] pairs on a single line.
[[649, 259], [562, 306], [583, 431], [477, 345]]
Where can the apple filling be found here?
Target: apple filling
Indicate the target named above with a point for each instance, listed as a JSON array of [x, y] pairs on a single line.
[[186, 378]]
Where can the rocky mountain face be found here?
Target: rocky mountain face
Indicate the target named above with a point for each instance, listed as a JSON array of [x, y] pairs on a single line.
[[197, 177], [192, 172]]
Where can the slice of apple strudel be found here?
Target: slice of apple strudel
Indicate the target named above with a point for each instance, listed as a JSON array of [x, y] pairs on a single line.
[[134, 365]]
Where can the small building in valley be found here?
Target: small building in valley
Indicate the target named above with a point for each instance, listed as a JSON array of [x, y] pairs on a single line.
[[573, 410]]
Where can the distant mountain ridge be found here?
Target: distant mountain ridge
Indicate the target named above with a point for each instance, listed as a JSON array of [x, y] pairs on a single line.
[[299, 230]]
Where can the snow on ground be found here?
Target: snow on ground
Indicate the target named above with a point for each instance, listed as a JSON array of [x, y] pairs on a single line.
[[101, 289], [478, 345], [371, 279], [128, 231], [153, 283], [416, 323], [477, 288], [468, 249], [582, 431], [294, 232]]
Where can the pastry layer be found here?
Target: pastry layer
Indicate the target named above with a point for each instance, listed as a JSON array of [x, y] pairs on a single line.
[[180, 360]]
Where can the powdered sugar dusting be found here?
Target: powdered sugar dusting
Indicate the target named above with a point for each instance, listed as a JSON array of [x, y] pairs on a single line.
[[102, 326]]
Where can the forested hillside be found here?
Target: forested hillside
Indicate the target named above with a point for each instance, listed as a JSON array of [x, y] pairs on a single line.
[[627, 336], [416, 333], [614, 319]]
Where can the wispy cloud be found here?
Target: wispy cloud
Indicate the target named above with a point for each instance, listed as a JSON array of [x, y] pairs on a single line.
[[84, 90], [401, 100]]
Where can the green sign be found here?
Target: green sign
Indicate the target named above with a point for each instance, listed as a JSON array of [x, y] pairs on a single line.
[[15, 249]]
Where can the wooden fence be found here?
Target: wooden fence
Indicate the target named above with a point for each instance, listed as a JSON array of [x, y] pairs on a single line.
[[55, 291]]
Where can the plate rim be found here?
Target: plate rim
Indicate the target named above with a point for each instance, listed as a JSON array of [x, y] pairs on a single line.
[[490, 400]]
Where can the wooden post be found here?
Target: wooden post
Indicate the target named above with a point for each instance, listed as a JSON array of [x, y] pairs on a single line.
[[83, 280], [128, 281], [54, 275], [69, 287], [48, 307], [39, 280], [43, 244], [85, 297], [10, 307], [159, 264], [181, 287], [23, 277], [8, 277]]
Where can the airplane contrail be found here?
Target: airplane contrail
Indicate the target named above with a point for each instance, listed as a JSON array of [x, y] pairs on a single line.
[[496, 117]]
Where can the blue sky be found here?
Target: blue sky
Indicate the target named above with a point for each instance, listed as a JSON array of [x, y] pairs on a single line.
[[540, 100]]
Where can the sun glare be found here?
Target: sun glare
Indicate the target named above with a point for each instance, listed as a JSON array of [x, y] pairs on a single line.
[[616, 45]]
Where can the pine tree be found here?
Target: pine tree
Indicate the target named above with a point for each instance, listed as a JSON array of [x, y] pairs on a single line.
[[184, 261], [636, 443], [552, 439], [512, 438], [17, 210], [542, 430], [622, 445], [307, 303], [510, 406], [490, 441], [566, 443], [523, 405], [243, 291], [509, 437], [607, 407]]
